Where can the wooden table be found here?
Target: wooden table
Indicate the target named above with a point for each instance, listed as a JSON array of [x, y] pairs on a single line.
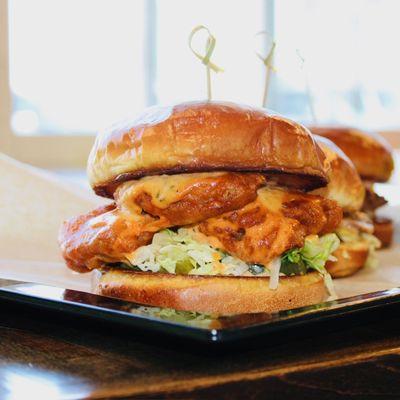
[[43, 356]]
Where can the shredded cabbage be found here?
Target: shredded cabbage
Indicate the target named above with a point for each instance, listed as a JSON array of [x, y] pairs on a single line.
[[274, 270], [313, 255], [179, 253], [373, 244], [175, 252], [348, 235]]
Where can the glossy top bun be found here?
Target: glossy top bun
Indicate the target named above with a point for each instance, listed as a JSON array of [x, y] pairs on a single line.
[[205, 136], [370, 153], [345, 185]]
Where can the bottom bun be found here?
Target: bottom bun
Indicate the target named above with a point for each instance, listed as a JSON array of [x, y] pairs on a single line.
[[383, 230], [212, 294], [351, 257]]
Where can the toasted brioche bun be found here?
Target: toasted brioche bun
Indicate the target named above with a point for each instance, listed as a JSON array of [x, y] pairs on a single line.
[[351, 257], [345, 185], [370, 153], [383, 230], [214, 294], [205, 136]]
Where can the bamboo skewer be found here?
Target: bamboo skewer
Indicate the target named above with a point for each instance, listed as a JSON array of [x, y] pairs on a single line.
[[205, 59]]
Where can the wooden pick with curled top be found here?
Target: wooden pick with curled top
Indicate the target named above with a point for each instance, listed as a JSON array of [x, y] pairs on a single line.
[[268, 62], [206, 58]]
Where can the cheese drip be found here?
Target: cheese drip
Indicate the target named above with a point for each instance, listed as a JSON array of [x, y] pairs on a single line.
[[163, 189]]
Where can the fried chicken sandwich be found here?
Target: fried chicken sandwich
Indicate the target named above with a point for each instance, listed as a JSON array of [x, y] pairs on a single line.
[[210, 211]]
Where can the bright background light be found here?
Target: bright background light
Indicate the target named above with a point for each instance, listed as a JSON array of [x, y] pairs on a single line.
[[181, 76], [77, 66], [351, 60]]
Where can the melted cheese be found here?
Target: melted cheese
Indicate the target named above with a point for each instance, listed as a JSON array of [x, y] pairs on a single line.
[[168, 189], [163, 189], [271, 198]]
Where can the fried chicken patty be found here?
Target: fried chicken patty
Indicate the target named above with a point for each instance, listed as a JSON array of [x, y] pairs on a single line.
[[104, 235], [256, 226], [148, 205], [274, 223], [190, 198]]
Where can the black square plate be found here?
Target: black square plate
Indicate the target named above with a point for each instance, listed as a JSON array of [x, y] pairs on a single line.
[[189, 325]]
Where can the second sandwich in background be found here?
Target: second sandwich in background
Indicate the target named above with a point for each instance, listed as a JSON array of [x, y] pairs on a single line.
[[373, 159], [357, 242]]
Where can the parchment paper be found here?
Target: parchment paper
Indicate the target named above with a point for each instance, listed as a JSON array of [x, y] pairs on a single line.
[[33, 204]]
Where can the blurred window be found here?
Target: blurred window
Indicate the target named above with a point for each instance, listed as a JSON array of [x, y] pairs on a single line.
[[180, 76], [351, 59], [79, 65], [75, 65]]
